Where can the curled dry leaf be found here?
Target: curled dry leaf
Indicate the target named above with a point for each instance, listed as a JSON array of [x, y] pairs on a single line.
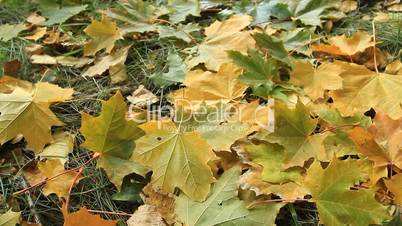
[[62, 60], [38, 33], [146, 215]]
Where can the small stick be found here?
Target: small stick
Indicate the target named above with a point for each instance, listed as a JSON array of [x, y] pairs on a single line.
[[374, 48], [96, 155], [107, 212]]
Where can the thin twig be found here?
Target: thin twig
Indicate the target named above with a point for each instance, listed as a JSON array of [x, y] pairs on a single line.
[[107, 212], [96, 155], [374, 48]]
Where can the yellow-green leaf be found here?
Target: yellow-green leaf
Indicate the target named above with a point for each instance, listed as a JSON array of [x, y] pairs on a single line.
[[178, 159], [31, 107], [112, 137], [104, 33]]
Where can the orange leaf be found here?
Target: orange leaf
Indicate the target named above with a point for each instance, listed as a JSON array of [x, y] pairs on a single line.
[[83, 218]]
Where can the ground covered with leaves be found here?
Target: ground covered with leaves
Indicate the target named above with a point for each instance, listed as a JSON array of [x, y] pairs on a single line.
[[200, 112]]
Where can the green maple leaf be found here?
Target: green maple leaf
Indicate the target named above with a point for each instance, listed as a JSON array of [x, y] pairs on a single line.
[[222, 207], [271, 157], [180, 9], [177, 159], [181, 32], [275, 47], [309, 12], [261, 74], [176, 74], [293, 129], [137, 15], [337, 204], [112, 137]]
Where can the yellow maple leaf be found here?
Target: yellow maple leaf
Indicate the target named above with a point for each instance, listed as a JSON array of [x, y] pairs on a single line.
[[27, 112], [316, 80], [364, 89], [61, 183], [220, 37], [210, 87], [178, 159], [342, 45], [114, 62], [382, 143], [104, 33]]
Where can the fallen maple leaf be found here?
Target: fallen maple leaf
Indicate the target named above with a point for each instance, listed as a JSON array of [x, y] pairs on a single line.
[[316, 80], [83, 218], [178, 159], [220, 37], [104, 33], [114, 62], [271, 157], [364, 89], [223, 206], [31, 107], [337, 204], [293, 130], [112, 137], [382, 143], [342, 45], [210, 87], [59, 185]]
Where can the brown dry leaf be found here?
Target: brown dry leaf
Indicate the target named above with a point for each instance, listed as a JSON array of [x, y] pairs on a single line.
[[164, 202], [210, 87], [141, 97], [35, 18], [364, 89], [60, 185], [146, 215], [251, 180], [367, 58], [8, 84], [38, 33], [117, 58], [395, 8], [347, 5], [342, 45], [62, 60], [220, 37], [83, 218], [315, 81], [104, 33], [395, 186], [32, 173], [33, 49], [12, 67], [53, 37]]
